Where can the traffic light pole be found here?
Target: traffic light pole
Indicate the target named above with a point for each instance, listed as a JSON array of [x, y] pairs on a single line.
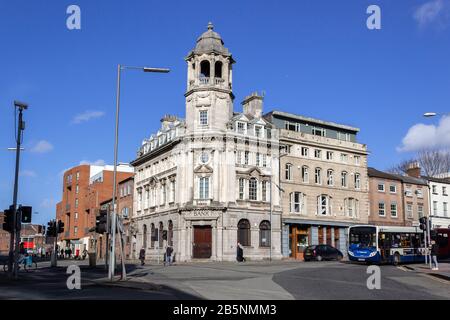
[[15, 244], [54, 256]]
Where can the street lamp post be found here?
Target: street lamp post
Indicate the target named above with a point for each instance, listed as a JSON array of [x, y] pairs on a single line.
[[14, 243], [116, 145]]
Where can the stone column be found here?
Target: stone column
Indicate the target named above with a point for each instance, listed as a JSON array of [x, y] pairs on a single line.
[[216, 176], [285, 240], [314, 235], [214, 241], [343, 235], [332, 238]]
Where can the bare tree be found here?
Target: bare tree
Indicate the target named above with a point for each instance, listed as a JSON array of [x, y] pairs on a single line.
[[433, 162], [402, 167]]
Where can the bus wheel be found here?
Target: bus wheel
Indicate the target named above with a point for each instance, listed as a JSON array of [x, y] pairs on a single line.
[[396, 259]]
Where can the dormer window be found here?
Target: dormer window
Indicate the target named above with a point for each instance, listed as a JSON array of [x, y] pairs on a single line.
[[259, 131], [241, 127], [318, 132]]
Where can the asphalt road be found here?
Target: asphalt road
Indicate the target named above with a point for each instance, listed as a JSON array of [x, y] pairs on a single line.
[[331, 280], [282, 280]]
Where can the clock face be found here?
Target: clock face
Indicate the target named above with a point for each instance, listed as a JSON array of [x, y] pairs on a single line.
[[204, 158]]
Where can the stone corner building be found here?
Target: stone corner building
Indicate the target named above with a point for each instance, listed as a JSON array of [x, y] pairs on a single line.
[[203, 183], [324, 178]]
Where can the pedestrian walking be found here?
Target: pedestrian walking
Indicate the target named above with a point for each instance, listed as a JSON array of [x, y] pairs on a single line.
[[168, 256], [142, 256], [434, 254], [85, 253], [240, 252]]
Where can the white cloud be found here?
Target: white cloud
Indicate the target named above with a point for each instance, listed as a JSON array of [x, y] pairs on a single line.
[[99, 162], [42, 146], [27, 173], [87, 116], [431, 12], [423, 136]]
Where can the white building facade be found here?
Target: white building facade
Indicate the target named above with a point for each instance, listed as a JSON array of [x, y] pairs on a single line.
[[439, 189], [205, 182]]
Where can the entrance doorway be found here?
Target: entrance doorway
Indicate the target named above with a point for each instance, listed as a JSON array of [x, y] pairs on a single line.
[[300, 238], [202, 242]]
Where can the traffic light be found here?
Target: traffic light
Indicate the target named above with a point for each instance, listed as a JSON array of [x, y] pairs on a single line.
[[101, 222], [51, 229], [8, 221], [26, 213], [60, 228], [423, 223]]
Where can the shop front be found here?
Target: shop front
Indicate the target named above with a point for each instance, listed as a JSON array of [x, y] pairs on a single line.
[[298, 235]]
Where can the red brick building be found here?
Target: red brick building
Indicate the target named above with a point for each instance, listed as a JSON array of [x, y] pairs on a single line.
[[31, 236], [84, 188], [124, 204], [4, 237]]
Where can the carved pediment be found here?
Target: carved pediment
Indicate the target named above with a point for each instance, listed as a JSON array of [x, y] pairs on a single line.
[[254, 172], [203, 169]]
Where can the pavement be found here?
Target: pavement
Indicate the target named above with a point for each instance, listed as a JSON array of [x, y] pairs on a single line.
[[443, 272], [277, 280]]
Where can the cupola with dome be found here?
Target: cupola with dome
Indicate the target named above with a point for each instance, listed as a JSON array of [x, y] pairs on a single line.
[[209, 96]]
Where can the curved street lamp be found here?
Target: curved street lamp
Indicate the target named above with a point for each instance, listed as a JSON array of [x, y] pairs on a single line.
[[112, 262]]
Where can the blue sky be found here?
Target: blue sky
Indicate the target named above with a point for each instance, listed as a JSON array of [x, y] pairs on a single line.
[[314, 58]]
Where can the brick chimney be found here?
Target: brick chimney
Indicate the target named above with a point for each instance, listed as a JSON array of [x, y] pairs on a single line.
[[413, 170], [253, 105]]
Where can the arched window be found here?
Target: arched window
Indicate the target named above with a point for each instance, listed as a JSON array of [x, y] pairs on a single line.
[[344, 179], [330, 177], [323, 205], [351, 207], [253, 189], [152, 235], [288, 171], [204, 69], [305, 174], [170, 234], [244, 232], [144, 236], [218, 69], [297, 202], [264, 234], [160, 235], [318, 176], [357, 181]]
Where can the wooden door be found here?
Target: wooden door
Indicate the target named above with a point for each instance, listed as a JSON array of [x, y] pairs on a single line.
[[202, 242]]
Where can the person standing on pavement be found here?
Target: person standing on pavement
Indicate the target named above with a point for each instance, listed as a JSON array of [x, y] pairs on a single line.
[[168, 260], [434, 254], [142, 256], [240, 252]]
